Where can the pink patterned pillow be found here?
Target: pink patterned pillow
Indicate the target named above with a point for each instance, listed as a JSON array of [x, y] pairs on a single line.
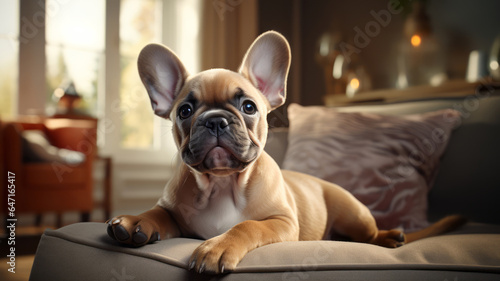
[[388, 162]]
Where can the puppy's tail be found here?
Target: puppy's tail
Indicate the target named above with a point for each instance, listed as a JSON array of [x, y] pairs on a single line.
[[444, 225]]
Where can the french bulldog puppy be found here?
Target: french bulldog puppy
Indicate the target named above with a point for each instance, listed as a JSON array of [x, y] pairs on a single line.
[[227, 189]]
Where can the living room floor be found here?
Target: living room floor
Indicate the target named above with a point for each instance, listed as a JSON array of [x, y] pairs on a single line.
[[23, 268]]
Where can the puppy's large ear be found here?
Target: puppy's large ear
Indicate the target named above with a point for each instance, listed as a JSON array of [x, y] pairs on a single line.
[[266, 65], [163, 75]]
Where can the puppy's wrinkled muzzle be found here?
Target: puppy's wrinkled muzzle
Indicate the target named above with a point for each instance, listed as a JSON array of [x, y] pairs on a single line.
[[218, 144], [217, 126]]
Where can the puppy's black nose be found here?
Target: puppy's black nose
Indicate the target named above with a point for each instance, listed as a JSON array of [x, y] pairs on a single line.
[[217, 126]]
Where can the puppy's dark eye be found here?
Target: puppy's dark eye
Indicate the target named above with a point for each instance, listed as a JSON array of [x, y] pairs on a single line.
[[185, 111], [249, 107]]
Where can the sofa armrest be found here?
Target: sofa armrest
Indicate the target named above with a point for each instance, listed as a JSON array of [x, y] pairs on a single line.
[[77, 135]]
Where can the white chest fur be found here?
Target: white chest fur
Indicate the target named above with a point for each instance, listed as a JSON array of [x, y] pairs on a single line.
[[219, 208]]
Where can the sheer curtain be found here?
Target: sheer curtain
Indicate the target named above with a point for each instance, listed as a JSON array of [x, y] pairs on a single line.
[[228, 27]]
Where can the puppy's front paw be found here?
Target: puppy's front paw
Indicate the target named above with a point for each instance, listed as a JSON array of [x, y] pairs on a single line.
[[217, 255], [132, 230]]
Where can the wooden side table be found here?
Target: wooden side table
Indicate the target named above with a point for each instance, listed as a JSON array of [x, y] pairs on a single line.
[[106, 203]]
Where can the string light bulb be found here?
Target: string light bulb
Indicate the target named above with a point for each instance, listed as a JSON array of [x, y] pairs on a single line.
[[416, 40]]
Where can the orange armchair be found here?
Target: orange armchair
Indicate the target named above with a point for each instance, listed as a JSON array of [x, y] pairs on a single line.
[[51, 186]]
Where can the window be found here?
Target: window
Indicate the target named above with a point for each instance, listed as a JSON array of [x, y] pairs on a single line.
[[175, 24], [140, 24], [75, 49], [9, 32], [95, 45]]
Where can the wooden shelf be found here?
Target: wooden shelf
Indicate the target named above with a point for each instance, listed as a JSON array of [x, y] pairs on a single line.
[[458, 88]]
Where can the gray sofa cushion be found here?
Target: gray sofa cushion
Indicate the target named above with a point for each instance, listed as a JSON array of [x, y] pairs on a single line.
[[83, 251]]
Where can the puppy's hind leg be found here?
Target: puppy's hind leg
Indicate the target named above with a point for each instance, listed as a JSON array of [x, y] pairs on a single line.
[[365, 231], [396, 238], [350, 218]]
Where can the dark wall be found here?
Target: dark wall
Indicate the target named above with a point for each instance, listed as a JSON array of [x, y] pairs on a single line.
[[459, 26], [278, 15], [463, 26]]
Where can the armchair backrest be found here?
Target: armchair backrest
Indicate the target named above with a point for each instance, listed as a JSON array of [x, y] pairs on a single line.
[[51, 186]]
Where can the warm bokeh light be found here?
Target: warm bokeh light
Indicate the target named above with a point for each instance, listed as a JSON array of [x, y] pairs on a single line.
[[59, 92], [416, 40], [494, 65], [354, 83]]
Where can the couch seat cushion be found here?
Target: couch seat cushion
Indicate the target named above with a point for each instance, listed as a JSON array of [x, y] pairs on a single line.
[[83, 251]]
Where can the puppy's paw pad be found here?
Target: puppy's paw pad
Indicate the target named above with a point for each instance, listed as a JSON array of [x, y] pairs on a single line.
[[121, 233], [140, 238], [132, 230]]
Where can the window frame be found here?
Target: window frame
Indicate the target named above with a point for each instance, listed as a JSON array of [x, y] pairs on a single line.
[[164, 149]]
